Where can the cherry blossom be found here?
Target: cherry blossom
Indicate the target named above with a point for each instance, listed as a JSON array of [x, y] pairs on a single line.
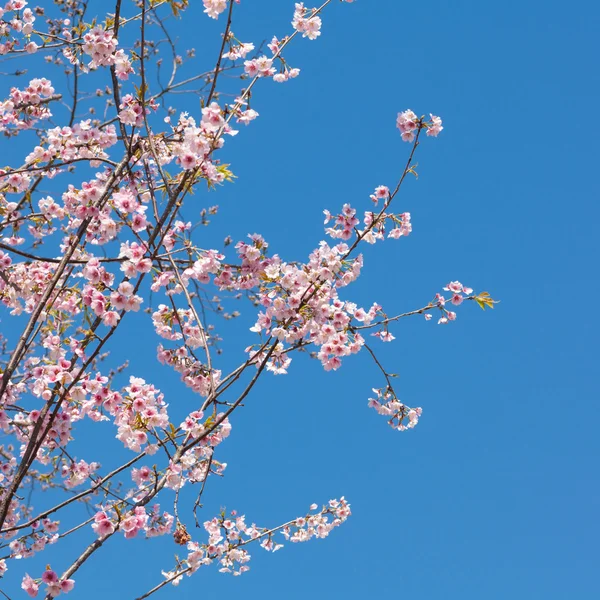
[[306, 22], [102, 222], [213, 8], [54, 585]]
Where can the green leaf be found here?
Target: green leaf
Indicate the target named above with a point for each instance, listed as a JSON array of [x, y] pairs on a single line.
[[484, 299]]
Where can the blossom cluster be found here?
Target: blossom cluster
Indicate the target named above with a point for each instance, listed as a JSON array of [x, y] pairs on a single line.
[[345, 223], [285, 72], [20, 22], [105, 307], [301, 304], [26, 107], [77, 473], [54, 584], [262, 66], [457, 290], [400, 416], [101, 46], [195, 143], [23, 284], [131, 111], [306, 22], [81, 141], [154, 523], [317, 524], [138, 413], [237, 49], [43, 532], [228, 536], [408, 123], [213, 8], [198, 462]]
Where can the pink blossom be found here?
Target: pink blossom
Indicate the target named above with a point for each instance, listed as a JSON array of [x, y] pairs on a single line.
[[49, 576], [110, 318], [407, 122], [30, 586], [435, 127], [213, 8], [66, 585], [456, 299], [454, 287], [102, 526]]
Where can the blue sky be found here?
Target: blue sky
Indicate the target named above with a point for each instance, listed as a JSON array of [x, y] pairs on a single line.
[[495, 494]]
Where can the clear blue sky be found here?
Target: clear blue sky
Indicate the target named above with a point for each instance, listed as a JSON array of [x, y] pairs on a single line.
[[495, 494]]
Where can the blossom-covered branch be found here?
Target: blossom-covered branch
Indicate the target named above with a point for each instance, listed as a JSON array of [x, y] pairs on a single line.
[[93, 235]]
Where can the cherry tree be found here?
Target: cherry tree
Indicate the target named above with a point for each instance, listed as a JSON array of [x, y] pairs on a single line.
[[109, 244]]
